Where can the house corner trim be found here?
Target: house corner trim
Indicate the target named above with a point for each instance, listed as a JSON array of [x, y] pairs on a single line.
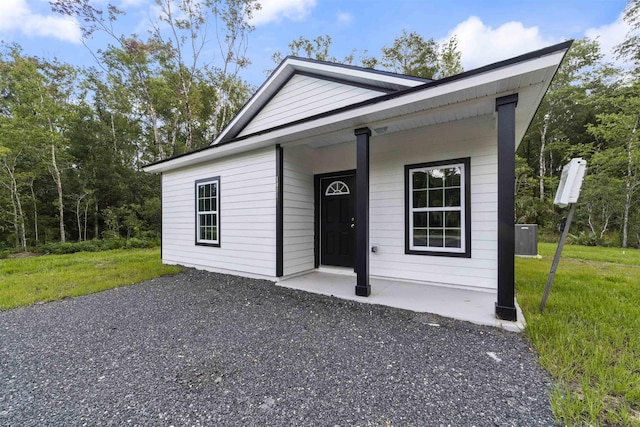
[[279, 211]]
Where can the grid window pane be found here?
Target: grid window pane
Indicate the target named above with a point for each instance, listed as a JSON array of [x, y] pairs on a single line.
[[435, 178], [435, 219], [420, 219], [419, 180], [419, 237], [436, 236], [453, 219], [452, 177], [452, 238], [420, 199], [452, 197], [436, 199]]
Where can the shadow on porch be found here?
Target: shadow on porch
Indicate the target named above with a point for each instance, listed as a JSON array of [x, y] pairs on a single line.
[[462, 304]]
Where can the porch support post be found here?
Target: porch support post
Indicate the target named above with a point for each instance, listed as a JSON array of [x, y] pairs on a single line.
[[363, 288], [506, 108], [279, 212]]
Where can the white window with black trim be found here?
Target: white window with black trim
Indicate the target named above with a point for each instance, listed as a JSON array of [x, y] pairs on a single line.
[[438, 208], [208, 211]]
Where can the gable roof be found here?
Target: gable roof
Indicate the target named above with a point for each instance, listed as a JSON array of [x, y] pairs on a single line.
[[468, 94], [376, 81]]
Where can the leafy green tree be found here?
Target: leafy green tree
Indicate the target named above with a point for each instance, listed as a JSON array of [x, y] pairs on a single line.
[[558, 131], [318, 48], [184, 44], [167, 70], [630, 47], [600, 200], [619, 127], [36, 108], [410, 54]]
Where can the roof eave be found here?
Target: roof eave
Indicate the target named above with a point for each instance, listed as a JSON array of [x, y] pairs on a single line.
[[553, 55]]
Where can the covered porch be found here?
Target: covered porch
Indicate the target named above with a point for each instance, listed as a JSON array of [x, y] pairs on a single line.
[[468, 124], [469, 305], [373, 234]]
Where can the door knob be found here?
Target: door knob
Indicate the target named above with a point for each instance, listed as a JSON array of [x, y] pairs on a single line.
[[353, 226]]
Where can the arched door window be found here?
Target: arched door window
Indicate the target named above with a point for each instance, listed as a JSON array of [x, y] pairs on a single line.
[[337, 188]]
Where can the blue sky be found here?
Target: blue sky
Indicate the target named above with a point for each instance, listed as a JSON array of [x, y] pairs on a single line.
[[487, 31]]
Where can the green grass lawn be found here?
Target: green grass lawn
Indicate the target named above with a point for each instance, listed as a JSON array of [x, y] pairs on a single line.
[[589, 335], [25, 281]]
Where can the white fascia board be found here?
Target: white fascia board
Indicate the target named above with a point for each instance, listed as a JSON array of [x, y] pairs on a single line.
[[349, 118], [211, 153]]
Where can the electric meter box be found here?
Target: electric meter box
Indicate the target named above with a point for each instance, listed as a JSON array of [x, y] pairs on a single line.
[[570, 182]]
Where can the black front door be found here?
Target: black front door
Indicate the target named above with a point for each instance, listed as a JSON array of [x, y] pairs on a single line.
[[337, 220]]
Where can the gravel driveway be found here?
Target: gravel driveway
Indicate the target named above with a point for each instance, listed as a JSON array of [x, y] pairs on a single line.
[[207, 349]]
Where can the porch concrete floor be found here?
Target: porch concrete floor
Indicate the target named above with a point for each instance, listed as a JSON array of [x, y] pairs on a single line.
[[462, 304]]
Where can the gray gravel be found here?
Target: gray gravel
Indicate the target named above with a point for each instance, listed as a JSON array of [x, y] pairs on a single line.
[[207, 349]]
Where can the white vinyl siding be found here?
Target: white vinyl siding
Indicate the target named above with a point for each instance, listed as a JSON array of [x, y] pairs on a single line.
[[298, 202], [247, 215], [304, 96], [474, 138]]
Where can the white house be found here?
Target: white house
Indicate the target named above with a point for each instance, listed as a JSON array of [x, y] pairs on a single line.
[[395, 176]]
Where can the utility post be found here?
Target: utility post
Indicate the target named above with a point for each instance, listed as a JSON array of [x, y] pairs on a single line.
[[567, 194]]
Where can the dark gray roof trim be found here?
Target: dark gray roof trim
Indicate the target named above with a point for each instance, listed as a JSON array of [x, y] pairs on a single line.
[[356, 67], [521, 58], [346, 82]]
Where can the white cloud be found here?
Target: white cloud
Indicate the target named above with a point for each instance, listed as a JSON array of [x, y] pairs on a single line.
[[15, 15], [128, 4], [344, 17], [277, 10], [481, 44], [609, 35]]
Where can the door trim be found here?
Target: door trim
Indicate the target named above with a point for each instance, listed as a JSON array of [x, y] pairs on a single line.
[[316, 208]]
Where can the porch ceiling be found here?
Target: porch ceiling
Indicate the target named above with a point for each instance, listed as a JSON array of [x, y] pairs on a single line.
[[464, 104]]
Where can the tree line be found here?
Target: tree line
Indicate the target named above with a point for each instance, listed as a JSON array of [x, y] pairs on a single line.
[[73, 139]]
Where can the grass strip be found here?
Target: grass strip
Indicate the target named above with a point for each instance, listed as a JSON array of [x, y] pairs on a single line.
[[589, 335], [25, 281]]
